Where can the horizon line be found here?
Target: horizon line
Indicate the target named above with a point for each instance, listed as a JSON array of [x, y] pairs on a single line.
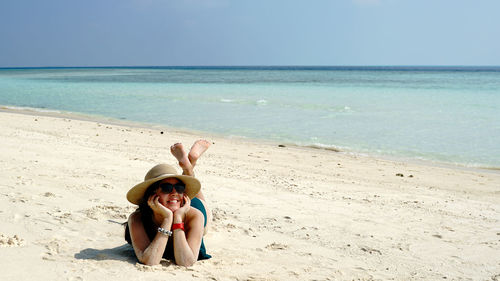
[[253, 66]]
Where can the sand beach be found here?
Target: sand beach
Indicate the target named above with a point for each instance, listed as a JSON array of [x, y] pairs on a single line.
[[280, 212]]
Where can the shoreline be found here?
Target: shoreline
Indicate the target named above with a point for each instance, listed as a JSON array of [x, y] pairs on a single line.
[[133, 124]]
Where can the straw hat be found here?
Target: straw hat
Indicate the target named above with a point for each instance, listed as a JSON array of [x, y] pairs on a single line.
[[158, 173]]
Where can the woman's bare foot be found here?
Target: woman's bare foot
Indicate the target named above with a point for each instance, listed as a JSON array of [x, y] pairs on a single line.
[[198, 148], [181, 156]]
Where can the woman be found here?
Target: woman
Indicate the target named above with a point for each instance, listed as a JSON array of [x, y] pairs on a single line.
[[172, 215]]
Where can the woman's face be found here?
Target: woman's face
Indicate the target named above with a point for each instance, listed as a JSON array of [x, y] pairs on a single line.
[[172, 200]]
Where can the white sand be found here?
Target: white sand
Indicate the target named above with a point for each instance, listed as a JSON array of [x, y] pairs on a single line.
[[280, 213]]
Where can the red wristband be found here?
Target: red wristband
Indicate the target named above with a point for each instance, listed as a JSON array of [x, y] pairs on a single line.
[[178, 226]]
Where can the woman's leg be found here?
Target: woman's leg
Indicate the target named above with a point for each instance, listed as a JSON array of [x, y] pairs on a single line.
[[181, 156], [187, 163]]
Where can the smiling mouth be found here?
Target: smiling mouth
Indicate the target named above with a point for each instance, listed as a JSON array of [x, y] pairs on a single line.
[[172, 201]]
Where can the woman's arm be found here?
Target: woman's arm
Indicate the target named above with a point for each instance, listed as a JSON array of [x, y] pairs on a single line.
[[150, 252], [147, 252], [187, 243]]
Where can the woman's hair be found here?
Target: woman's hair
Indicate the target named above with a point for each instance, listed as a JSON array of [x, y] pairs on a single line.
[[146, 213]]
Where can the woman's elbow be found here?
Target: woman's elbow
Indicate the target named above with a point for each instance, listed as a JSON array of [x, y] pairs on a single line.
[[187, 262], [148, 261]]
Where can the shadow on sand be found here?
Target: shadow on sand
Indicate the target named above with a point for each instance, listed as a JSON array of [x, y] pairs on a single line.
[[120, 253]]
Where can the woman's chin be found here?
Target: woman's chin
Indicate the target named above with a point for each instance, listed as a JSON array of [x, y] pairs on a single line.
[[173, 208]]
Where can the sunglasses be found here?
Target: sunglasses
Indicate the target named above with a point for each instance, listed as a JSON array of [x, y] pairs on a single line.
[[168, 187]]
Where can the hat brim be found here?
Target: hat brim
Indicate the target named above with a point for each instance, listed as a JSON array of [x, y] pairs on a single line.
[[135, 194]]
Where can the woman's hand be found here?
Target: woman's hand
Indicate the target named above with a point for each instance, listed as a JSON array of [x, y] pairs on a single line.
[[180, 214], [159, 210]]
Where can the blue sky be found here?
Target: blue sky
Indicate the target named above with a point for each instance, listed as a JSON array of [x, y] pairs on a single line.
[[248, 32]]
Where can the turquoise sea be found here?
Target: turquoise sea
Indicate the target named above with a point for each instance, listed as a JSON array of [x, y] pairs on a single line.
[[442, 114]]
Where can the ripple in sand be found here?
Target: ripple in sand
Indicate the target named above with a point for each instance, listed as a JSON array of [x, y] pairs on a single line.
[[108, 211], [14, 241], [277, 246]]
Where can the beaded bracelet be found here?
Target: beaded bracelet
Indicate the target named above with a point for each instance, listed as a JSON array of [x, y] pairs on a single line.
[[164, 231]]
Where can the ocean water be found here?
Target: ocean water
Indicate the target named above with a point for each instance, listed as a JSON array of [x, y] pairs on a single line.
[[442, 114]]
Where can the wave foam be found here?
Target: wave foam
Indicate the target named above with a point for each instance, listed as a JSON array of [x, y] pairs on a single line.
[[33, 109]]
